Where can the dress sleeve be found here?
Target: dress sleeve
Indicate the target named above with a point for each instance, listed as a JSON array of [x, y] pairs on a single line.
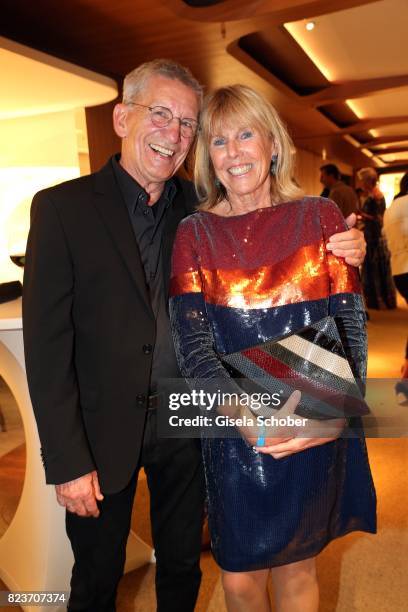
[[345, 299], [192, 333]]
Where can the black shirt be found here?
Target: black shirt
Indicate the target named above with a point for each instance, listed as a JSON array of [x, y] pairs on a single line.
[[148, 223]]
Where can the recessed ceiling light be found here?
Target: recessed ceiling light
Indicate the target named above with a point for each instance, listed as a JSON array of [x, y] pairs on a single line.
[[310, 25]]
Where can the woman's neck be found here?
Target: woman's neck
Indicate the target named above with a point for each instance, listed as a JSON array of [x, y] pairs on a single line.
[[237, 204]]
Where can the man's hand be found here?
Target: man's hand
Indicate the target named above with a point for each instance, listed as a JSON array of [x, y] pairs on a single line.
[[79, 496], [350, 244], [320, 432]]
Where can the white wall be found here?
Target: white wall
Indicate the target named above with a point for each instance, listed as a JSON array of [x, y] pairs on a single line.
[[36, 152]]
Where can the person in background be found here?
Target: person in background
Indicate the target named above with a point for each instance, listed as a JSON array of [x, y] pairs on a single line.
[[344, 196], [325, 192], [396, 231], [360, 197], [403, 186], [378, 286]]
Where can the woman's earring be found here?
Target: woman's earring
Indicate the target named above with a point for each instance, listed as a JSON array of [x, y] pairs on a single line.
[[274, 164], [217, 182]]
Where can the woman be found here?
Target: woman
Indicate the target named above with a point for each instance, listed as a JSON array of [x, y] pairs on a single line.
[[378, 287], [396, 231], [250, 266]]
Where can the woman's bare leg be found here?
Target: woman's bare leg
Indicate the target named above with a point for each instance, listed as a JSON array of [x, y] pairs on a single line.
[[246, 591], [295, 587]]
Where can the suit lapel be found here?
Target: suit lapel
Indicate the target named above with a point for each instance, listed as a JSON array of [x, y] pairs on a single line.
[[112, 210]]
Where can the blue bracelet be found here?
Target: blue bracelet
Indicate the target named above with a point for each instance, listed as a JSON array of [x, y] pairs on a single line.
[[261, 438]]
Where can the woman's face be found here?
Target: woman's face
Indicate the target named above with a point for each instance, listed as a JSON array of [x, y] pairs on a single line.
[[241, 157]]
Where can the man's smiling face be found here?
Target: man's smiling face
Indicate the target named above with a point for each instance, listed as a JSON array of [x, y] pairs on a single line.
[[153, 154]]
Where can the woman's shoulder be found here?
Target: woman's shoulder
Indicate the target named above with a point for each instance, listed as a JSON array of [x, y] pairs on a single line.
[[190, 220], [374, 205], [324, 213], [199, 217], [318, 205], [313, 201], [190, 225]]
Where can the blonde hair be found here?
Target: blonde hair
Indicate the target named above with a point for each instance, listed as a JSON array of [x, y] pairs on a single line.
[[239, 103], [135, 81], [368, 175]]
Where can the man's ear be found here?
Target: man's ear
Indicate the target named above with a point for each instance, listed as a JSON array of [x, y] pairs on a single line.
[[120, 120]]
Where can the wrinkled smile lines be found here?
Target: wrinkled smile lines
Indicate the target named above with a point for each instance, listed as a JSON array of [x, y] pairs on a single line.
[[162, 150]]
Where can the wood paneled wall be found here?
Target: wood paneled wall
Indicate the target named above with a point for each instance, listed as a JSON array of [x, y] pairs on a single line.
[[307, 170], [102, 140]]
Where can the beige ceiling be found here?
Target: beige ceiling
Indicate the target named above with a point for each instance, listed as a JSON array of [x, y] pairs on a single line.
[[394, 130], [37, 83], [364, 42], [391, 103], [391, 157], [401, 144], [358, 43]]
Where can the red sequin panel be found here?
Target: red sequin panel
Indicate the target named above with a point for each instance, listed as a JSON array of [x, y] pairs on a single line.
[[305, 275]]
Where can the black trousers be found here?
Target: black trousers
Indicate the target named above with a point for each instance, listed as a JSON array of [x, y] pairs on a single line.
[[401, 283], [176, 483]]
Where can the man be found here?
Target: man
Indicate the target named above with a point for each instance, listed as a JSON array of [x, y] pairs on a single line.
[[344, 196], [98, 343]]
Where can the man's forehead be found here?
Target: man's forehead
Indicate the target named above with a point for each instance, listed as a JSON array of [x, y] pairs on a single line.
[[163, 91]]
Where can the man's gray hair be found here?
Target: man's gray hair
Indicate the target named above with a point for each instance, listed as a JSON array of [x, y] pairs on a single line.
[[135, 81]]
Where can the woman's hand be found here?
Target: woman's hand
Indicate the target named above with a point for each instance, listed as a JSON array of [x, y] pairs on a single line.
[[270, 434], [320, 432]]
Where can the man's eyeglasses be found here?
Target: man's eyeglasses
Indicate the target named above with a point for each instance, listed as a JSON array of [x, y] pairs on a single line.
[[162, 117]]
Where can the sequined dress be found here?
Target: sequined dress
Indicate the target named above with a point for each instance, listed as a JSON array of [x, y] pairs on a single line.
[[237, 282]]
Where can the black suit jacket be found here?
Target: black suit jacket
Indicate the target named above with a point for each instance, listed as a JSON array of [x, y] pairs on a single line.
[[88, 325]]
